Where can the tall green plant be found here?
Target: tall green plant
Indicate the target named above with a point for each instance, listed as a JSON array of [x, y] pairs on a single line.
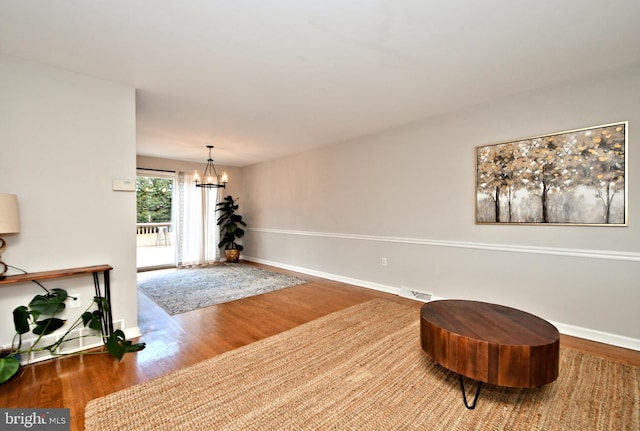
[[40, 318], [230, 223]]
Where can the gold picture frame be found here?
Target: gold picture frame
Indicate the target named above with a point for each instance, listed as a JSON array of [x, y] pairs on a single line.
[[577, 177]]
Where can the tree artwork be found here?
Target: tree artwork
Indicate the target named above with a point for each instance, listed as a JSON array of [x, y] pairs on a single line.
[[575, 177]]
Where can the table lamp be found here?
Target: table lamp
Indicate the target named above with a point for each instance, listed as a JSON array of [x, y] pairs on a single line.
[[9, 222]]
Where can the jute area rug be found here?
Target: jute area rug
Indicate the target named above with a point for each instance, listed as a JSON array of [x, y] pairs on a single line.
[[363, 369], [181, 290]]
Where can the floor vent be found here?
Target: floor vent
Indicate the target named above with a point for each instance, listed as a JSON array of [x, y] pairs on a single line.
[[412, 294], [78, 340]]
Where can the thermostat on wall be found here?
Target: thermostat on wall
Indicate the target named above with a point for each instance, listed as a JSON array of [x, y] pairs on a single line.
[[124, 185]]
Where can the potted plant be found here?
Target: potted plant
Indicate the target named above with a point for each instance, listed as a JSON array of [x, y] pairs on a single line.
[[230, 229], [39, 318]]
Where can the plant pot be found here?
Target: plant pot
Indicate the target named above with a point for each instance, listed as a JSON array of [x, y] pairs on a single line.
[[232, 255]]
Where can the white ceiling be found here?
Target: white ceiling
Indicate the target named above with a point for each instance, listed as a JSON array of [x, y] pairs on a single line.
[[260, 79]]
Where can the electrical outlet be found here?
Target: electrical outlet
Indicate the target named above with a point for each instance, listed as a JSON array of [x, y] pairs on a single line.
[[384, 261], [74, 301]]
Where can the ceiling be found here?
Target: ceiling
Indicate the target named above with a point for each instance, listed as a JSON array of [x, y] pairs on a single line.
[[262, 79]]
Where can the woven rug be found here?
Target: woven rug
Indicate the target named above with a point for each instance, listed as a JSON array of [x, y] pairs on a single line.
[[363, 369], [181, 290]]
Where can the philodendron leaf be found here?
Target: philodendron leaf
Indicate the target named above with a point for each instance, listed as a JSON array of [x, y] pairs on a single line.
[[117, 345], [61, 294], [8, 367], [50, 304], [113, 346], [47, 326], [92, 320], [101, 301], [21, 319]]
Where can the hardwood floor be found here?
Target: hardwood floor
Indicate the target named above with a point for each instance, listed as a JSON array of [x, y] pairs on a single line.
[[178, 341]]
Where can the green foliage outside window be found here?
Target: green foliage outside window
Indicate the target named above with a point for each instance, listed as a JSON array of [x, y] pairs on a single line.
[[153, 199]]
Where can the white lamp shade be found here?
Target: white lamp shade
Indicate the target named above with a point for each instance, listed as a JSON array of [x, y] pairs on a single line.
[[9, 221]]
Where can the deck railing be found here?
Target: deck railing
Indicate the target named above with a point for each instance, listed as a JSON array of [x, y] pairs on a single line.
[[154, 234]]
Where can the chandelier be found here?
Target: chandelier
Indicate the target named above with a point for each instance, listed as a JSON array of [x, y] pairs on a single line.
[[210, 178]]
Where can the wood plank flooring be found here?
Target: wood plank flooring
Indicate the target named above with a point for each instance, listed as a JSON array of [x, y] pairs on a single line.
[[174, 342]]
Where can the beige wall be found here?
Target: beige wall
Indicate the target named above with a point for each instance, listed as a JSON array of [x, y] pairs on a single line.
[[408, 195], [64, 137]]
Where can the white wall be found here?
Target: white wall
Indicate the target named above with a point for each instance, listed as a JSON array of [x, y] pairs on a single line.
[[63, 138], [408, 195]]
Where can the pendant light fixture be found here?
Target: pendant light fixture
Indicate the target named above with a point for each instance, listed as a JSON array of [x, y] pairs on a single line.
[[210, 178]]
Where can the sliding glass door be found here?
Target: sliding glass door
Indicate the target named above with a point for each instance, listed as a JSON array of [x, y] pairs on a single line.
[[155, 237]]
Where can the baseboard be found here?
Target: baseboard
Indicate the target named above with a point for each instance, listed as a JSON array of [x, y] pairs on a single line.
[[134, 332], [600, 337], [571, 330], [328, 276]]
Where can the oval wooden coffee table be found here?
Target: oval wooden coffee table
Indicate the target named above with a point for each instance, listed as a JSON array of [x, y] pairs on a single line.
[[490, 343]]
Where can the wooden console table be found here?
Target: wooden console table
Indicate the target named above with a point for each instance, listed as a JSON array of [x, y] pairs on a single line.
[[107, 318], [490, 343]]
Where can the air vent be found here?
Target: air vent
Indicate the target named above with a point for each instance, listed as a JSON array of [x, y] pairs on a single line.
[[73, 343], [413, 294], [79, 339]]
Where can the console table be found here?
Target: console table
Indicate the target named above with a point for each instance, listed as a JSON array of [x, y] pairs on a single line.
[[490, 343], [107, 318]]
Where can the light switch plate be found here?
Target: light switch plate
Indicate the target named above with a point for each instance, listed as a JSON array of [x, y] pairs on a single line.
[[124, 185]]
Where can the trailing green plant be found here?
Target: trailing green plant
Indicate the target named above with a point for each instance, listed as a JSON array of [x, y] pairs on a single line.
[[230, 223], [40, 318]]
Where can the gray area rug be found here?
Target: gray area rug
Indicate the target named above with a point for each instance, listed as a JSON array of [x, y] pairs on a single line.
[[181, 290]]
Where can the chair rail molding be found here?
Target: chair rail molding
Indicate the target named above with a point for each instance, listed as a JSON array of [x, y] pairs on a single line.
[[552, 251]]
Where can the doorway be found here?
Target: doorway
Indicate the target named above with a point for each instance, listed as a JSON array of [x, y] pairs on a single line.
[[155, 233]]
